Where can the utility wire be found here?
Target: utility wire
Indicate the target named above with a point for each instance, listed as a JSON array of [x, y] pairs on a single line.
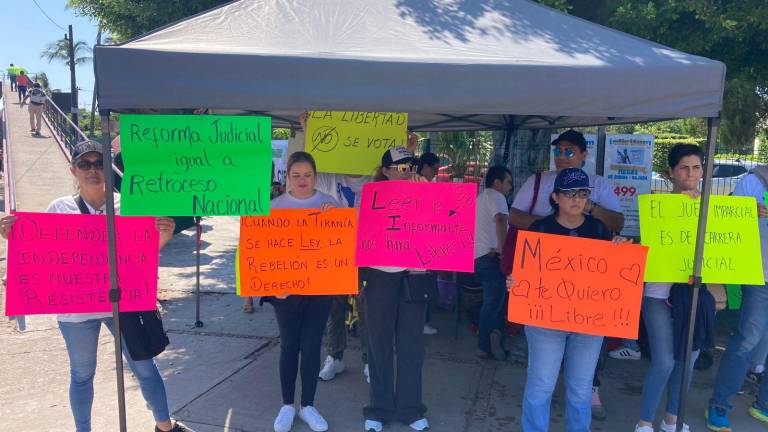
[[46, 15]]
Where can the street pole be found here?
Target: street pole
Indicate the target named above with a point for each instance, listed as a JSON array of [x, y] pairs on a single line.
[[91, 130], [72, 82]]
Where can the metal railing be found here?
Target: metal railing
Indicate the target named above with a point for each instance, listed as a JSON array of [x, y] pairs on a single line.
[[64, 130], [8, 186]]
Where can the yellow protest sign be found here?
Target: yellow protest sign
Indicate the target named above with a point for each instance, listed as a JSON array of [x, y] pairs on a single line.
[[347, 142], [668, 224]]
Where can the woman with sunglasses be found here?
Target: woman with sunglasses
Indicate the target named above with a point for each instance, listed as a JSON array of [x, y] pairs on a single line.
[[548, 349], [81, 331], [395, 318], [570, 151]]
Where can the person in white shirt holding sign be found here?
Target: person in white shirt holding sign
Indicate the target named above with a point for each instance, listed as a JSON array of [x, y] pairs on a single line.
[[81, 330]]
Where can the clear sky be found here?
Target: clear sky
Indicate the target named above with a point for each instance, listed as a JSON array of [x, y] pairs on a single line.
[[25, 32]]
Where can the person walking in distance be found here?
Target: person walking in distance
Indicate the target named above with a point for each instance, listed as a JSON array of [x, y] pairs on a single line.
[[37, 99]]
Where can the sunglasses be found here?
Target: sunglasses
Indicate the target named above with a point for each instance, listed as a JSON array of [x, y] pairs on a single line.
[[85, 164], [403, 168], [569, 153], [573, 193]]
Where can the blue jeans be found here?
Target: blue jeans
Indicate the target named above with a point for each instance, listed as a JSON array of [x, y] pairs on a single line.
[[546, 351], [665, 371], [760, 353], [489, 274], [753, 324], [82, 340]]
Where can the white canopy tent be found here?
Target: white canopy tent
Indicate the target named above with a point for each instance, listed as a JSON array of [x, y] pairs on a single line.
[[481, 64], [451, 64]]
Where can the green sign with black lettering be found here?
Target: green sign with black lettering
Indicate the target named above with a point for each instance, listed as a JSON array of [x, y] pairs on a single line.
[[668, 224], [195, 165]]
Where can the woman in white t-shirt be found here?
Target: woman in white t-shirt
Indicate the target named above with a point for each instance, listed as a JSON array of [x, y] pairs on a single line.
[[685, 171], [81, 331], [301, 318]]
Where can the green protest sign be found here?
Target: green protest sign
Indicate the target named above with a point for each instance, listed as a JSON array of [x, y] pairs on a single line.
[[194, 165], [668, 224]]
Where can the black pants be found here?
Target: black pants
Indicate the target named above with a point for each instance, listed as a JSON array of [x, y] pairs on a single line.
[[394, 315], [301, 320]]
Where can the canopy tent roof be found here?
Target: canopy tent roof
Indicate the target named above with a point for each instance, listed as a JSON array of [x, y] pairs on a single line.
[[451, 64]]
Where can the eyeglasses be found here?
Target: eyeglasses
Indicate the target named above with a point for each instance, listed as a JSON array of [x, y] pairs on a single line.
[[573, 193], [85, 164], [403, 168], [569, 153]]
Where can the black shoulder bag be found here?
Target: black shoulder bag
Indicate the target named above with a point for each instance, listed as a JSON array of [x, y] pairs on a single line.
[[143, 331]]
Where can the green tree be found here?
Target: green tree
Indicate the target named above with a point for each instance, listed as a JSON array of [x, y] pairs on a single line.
[[42, 78], [125, 19], [59, 51], [734, 32]]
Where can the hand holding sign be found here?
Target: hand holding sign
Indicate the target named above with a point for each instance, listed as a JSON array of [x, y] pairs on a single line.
[[576, 284], [417, 225], [57, 263]]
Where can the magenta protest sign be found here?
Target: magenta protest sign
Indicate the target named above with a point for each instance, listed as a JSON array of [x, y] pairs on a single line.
[[57, 263], [417, 225]]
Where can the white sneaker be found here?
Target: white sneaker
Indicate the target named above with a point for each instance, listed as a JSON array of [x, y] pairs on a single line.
[[420, 425], [284, 419], [373, 426], [331, 368], [639, 428], [625, 354], [313, 419], [672, 428], [367, 374], [429, 330]]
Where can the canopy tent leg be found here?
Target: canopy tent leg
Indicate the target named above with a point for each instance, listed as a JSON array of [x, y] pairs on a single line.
[[198, 236], [114, 289], [713, 124]]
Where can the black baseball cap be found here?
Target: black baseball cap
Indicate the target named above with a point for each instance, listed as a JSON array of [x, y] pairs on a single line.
[[84, 147], [572, 178], [396, 156], [573, 137]]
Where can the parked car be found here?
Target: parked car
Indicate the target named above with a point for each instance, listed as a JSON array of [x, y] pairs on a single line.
[[725, 174]]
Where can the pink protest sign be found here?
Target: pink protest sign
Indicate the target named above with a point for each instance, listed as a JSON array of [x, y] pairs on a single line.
[[58, 263], [417, 225]]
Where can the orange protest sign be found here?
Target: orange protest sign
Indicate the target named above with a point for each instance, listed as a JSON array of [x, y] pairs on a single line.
[[298, 251], [578, 285]]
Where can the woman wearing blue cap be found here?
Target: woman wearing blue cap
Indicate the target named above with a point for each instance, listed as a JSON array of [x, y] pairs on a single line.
[[548, 349]]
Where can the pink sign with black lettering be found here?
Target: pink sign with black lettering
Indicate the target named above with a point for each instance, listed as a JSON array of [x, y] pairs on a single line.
[[417, 225], [57, 263]]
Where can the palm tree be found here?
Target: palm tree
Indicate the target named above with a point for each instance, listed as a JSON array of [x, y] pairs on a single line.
[[59, 50], [42, 78]]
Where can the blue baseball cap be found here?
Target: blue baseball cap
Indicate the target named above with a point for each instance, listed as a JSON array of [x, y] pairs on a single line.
[[572, 178]]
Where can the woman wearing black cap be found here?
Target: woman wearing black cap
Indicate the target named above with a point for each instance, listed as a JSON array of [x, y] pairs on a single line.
[[548, 349], [395, 315], [81, 331]]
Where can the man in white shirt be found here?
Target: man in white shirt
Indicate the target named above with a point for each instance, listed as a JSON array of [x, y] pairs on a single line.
[[491, 216], [570, 150]]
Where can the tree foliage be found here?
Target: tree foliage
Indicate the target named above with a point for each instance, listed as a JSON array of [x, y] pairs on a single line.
[[125, 19], [59, 51], [734, 32]]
